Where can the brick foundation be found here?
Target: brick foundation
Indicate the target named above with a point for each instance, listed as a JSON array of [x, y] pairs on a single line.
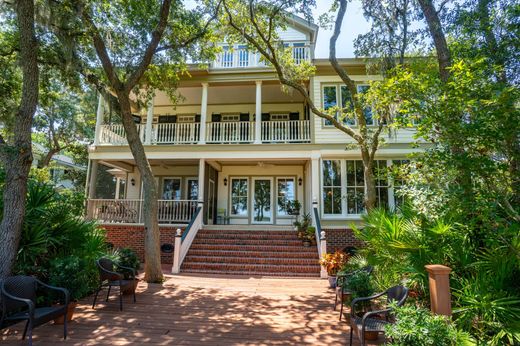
[[132, 236], [338, 239]]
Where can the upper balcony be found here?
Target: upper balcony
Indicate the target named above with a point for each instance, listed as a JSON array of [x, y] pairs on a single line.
[[239, 56]]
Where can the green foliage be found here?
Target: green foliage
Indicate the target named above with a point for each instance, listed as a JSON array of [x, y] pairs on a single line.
[[419, 327], [360, 284], [355, 262], [128, 258], [57, 245]]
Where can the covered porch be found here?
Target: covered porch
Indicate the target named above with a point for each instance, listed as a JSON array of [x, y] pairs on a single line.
[[230, 191]]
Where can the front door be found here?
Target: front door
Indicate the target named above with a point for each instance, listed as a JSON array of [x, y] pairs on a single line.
[[262, 201]]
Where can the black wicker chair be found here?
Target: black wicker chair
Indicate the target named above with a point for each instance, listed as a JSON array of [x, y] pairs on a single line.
[[109, 277], [18, 295], [341, 291], [368, 323]]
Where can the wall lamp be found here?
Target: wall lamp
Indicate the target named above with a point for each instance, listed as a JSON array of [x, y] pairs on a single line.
[[225, 181], [300, 181]]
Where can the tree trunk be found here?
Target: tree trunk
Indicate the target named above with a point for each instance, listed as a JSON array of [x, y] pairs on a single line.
[[17, 158], [439, 39], [48, 157], [370, 198], [152, 254]]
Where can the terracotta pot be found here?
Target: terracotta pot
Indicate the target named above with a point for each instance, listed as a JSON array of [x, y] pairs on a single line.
[[70, 313], [130, 289], [332, 281]]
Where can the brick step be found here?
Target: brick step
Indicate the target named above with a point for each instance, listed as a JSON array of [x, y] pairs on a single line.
[[258, 236], [247, 232], [246, 241], [251, 260], [249, 254], [258, 273], [251, 268], [269, 248]]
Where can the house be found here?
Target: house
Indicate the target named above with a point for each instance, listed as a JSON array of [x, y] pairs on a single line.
[[241, 149], [61, 167]]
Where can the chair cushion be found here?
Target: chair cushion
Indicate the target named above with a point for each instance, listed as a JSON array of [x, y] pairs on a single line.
[[371, 324]]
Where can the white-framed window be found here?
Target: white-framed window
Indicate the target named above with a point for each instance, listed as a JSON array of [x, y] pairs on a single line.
[[171, 188], [279, 116], [228, 118], [398, 181], [285, 193], [192, 188], [335, 94], [190, 118], [239, 191], [243, 56], [343, 186], [331, 177], [355, 183]]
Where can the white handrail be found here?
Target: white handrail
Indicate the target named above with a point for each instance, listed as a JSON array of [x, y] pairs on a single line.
[[230, 132], [130, 210], [286, 131], [191, 232], [175, 133], [115, 134]]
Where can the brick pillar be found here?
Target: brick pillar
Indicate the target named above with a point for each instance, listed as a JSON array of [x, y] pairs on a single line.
[[440, 297]]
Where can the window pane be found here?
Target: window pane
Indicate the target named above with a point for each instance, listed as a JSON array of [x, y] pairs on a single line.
[[193, 189], [331, 173], [360, 178], [336, 200], [351, 173], [239, 197], [171, 189], [368, 110], [332, 200], [360, 207], [329, 97], [346, 102], [286, 192]]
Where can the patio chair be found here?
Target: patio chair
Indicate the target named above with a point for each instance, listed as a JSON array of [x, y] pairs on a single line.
[[341, 290], [18, 295], [369, 322], [108, 277]]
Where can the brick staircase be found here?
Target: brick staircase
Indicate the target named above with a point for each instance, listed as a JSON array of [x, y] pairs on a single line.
[[248, 252]]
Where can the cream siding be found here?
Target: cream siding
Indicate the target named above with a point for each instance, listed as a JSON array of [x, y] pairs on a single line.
[[293, 34]]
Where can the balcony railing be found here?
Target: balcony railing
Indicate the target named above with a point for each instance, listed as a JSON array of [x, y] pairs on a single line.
[[280, 131], [241, 57], [230, 132], [180, 133], [131, 210], [286, 131]]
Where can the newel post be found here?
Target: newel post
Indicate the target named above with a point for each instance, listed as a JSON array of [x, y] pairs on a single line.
[[176, 269], [323, 251], [440, 296]]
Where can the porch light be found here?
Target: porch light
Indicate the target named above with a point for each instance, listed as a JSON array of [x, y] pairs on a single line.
[[225, 181], [132, 181], [300, 181]]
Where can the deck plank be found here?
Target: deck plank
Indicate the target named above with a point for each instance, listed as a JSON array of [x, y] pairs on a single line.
[[200, 310]]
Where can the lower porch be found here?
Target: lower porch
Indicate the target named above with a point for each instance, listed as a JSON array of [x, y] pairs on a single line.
[[231, 192]]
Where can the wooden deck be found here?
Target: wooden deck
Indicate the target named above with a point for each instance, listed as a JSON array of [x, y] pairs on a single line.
[[204, 310]]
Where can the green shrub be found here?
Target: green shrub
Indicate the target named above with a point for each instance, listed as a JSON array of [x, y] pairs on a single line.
[[418, 327], [72, 273], [360, 284], [128, 258]]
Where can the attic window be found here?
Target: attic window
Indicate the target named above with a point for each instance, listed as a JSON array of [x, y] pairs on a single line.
[[186, 119]]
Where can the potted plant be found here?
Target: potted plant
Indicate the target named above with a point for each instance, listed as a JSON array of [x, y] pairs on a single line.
[[293, 207], [333, 263], [310, 236], [302, 225], [127, 257], [72, 273]]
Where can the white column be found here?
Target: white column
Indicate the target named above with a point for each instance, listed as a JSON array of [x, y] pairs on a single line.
[[323, 251], [201, 179], [203, 114], [149, 123], [99, 119], [118, 183], [258, 112], [315, 176]]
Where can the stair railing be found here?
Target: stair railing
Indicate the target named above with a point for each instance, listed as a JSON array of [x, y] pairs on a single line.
[[321, 242], [184, 240]]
